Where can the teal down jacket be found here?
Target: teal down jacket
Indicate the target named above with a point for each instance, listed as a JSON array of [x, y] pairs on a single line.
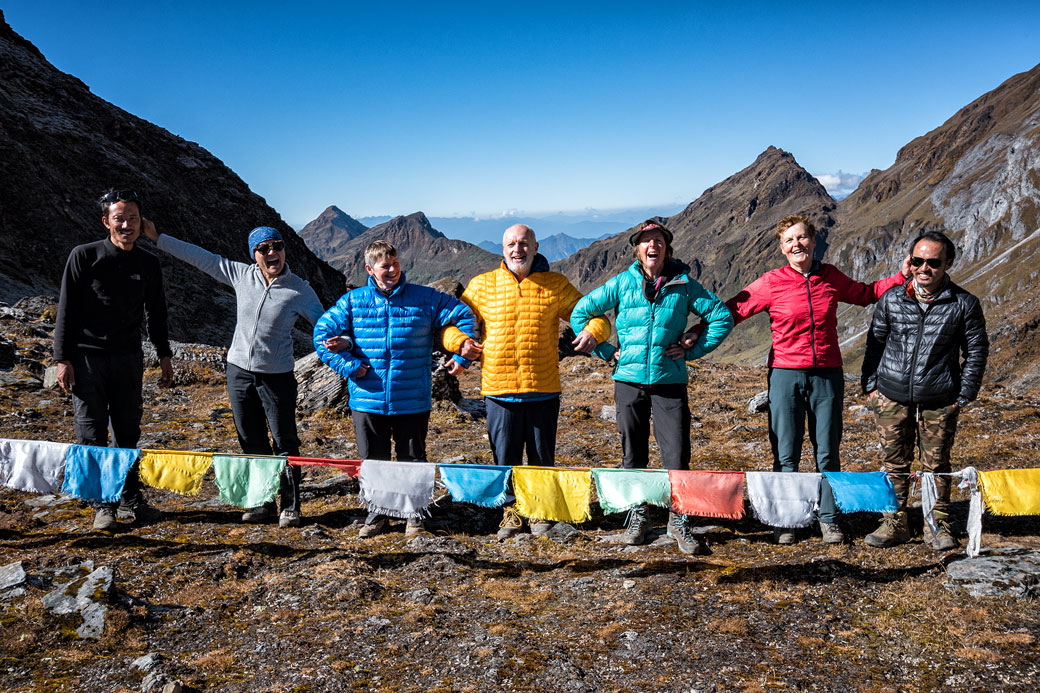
[[646, 328]]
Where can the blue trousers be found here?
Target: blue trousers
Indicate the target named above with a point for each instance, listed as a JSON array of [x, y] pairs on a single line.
[[816, 394]]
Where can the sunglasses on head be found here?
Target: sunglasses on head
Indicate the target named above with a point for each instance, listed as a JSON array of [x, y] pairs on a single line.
[[265, 248], [120, 196], [933, 262]]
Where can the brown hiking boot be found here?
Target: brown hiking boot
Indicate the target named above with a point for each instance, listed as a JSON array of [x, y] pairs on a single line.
[[943, 539], [638, 522], [413, 527], [893, 531], [511, 524]]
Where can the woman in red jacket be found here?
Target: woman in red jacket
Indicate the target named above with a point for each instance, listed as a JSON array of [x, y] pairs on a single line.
[[805, 375]]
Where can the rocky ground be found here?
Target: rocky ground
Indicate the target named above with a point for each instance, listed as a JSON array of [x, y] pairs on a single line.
[[217, 605]]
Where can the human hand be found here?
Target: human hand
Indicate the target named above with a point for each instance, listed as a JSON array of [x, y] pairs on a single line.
[[688, 339], [584, 343], [148, 228], [454, 367], [471, 349], [675, 351], [166, 375], [906, 268], [338, 344], [66, 376], [361, 371]]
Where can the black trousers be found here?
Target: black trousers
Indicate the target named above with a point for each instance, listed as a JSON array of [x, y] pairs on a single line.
[[259, 400], [516, 426], [374, 432], [670, 407], [107, 395]]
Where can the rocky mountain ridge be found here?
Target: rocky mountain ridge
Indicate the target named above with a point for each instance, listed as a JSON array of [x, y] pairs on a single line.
[[61, 146], [330, 231], [426, 254]]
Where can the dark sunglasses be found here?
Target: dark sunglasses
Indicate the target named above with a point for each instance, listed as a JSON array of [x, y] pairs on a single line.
[[120, 196], [933, 262], [265, 248]]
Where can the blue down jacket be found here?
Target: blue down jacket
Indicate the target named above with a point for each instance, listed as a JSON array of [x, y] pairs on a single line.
[[645, 328], [393, 335]]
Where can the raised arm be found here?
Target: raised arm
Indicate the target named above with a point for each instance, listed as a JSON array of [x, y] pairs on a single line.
[[220, 268]]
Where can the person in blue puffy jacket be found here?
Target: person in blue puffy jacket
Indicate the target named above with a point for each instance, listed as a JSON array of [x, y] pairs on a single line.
[[389, 327], [653, 300]]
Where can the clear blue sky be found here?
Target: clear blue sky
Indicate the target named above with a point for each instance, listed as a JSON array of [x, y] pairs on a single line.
[[458, 108]]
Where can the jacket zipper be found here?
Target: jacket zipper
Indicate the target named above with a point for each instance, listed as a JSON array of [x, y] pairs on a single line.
[[386, 350], [256, 320], [917, 345], [812, 320]]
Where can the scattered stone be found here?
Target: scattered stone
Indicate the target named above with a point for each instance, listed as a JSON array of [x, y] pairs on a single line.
[[628, 584], [562, 532], [50, 378], [1010, 571], [12, 575], [608, 412], [632, 549], [93, 620], [759, 403], [147, 662], [20, 382], [420, 596]]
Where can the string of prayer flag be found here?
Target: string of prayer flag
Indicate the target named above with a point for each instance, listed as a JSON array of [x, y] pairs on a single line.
[[620, 490], [484, 485], [397, 489], [180, 472], [35, 466], [548, 493], [93, 473], [708, 494], [856, 492], [247, 482], [784, 499]]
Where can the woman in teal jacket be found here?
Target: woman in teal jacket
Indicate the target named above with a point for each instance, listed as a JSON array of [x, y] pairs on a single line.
[[653, 299]]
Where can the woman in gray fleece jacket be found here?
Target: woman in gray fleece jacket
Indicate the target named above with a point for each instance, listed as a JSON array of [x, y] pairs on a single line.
[[260, 380]]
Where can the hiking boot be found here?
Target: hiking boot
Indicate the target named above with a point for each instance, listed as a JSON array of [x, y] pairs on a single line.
[[104, 519], [784, 536], [943, 539], [511, 523], [539, 528], [142, 513], [289, 518], [373, 528], [265, 513], [893, 531], [831, 533], [681, 529], [413, 527], [636, 525]]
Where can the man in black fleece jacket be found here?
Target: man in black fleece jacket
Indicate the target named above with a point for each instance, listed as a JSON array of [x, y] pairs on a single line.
[[108, 290]]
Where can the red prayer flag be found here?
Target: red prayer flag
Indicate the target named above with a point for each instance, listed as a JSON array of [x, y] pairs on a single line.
[[351, 467], [708, 494]]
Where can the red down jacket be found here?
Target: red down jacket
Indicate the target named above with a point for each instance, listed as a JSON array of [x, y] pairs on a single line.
[[803, 311]]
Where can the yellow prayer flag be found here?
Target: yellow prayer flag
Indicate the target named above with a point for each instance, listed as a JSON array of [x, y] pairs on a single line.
[[547, 493], [1011, 491], [180, 472]]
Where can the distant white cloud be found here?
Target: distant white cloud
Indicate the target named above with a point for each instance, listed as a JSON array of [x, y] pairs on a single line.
[[840, 184]]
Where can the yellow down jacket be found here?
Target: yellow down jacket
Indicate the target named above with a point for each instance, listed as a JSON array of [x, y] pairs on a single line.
[[520, 322]]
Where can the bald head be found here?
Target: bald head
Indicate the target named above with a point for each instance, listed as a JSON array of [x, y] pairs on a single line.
[[518, 249]]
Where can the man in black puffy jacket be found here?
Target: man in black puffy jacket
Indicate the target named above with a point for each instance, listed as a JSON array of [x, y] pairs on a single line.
[[925, 358]]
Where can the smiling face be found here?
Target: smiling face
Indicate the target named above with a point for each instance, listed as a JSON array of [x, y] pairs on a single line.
[[386, 272], [518, 249], [929, 278], [797, 245], [272, 262], [652, 251], [123, 223]]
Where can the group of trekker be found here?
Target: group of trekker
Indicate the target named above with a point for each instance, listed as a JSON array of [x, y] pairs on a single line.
[[925, 356]]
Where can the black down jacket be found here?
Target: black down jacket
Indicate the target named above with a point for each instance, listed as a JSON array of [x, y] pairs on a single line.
[[915, 350]]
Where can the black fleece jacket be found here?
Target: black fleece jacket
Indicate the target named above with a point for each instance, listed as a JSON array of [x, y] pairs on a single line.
[[106, 296]]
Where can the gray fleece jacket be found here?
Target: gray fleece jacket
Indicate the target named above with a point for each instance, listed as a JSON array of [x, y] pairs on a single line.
[[266, 312]]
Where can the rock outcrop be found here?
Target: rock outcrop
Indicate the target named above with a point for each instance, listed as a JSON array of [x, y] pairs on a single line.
[[61, 146]]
